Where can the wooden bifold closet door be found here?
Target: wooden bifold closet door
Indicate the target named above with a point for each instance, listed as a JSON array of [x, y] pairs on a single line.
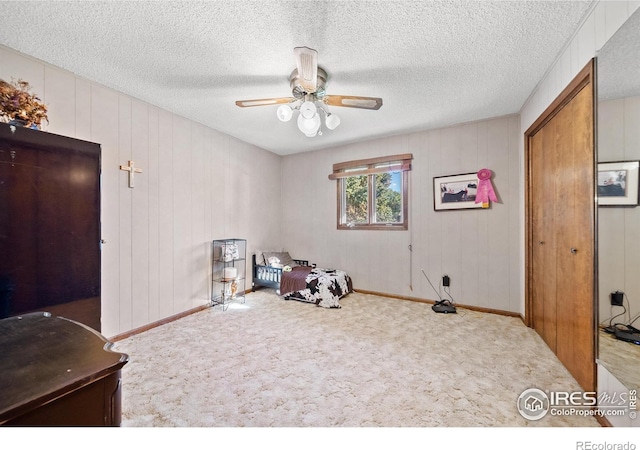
[[561, 228]]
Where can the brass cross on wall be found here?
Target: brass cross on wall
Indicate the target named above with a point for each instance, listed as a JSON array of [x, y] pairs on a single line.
[[132, 170]]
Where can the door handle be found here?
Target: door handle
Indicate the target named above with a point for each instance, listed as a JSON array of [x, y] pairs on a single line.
[[574, 250], [541, 243]]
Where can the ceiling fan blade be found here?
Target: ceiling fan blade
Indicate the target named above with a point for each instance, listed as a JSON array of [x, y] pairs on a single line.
[[264, 102], [353, 101], [307, 64]]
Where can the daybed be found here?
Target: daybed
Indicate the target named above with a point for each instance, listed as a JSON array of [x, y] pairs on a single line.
[[295, 279]]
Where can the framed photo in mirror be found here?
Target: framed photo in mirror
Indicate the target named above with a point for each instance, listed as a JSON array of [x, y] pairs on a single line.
[[618, 183]]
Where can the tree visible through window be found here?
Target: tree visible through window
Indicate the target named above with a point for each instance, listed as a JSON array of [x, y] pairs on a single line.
[[388, 190], [357, 199], [372, 194]]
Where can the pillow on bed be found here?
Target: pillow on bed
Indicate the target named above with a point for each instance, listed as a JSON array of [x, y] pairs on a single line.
[[260, 259], [279, 259]]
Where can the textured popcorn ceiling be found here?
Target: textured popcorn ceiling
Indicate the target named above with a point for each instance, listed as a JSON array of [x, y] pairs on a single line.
[[619, 62], [433, 63]]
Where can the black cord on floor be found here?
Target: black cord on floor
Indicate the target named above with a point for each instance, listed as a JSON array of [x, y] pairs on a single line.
[[434, 289]]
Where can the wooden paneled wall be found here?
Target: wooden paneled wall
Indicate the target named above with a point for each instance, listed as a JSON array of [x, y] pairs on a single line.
[[478, 249], [197, 185]]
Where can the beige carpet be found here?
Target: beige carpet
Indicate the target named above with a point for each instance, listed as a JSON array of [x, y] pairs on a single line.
[[376, 362], [620, 358]]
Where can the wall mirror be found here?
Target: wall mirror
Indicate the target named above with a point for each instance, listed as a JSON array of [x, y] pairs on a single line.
[[618, 77]]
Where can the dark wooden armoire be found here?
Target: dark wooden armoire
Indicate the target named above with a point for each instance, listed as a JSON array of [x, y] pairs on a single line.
[[49, 225]]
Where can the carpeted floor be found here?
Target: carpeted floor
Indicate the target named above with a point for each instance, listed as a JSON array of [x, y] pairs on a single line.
[[376, 362]]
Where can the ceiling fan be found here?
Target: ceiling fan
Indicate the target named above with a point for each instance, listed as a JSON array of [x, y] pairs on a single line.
[[308, 82]]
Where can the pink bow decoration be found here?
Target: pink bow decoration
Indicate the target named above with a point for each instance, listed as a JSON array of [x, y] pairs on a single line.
[[485, 188]]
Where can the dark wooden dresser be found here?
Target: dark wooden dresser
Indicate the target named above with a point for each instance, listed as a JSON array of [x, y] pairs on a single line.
[[57, 372]]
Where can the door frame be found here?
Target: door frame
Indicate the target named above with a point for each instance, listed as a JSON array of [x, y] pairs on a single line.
[[585, 77]]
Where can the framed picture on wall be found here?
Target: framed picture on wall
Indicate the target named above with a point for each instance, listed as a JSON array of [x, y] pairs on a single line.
[[455, 192], [618, 183]]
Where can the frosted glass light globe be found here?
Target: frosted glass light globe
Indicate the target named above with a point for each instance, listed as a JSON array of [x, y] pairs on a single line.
[[308, 110], [309, 127], [284, 113], [332, 121]]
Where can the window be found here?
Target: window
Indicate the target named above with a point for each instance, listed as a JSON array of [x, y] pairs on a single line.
[[372, 193]]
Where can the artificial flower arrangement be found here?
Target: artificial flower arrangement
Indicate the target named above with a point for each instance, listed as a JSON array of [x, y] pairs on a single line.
[[17, 103]]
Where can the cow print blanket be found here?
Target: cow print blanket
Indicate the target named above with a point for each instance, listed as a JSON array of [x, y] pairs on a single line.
[[325, 287]]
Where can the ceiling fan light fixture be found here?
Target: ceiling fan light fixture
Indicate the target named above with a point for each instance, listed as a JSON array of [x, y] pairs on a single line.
[[284, 113], [309, 127], [308, 109], [308, 86], [332, 121]]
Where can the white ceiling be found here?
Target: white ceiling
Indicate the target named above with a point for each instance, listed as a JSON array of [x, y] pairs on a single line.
[[619, 62], [434, 63]]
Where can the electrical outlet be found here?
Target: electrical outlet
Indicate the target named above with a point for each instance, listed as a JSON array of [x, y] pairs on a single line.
[[446, 281], [617, 298]]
